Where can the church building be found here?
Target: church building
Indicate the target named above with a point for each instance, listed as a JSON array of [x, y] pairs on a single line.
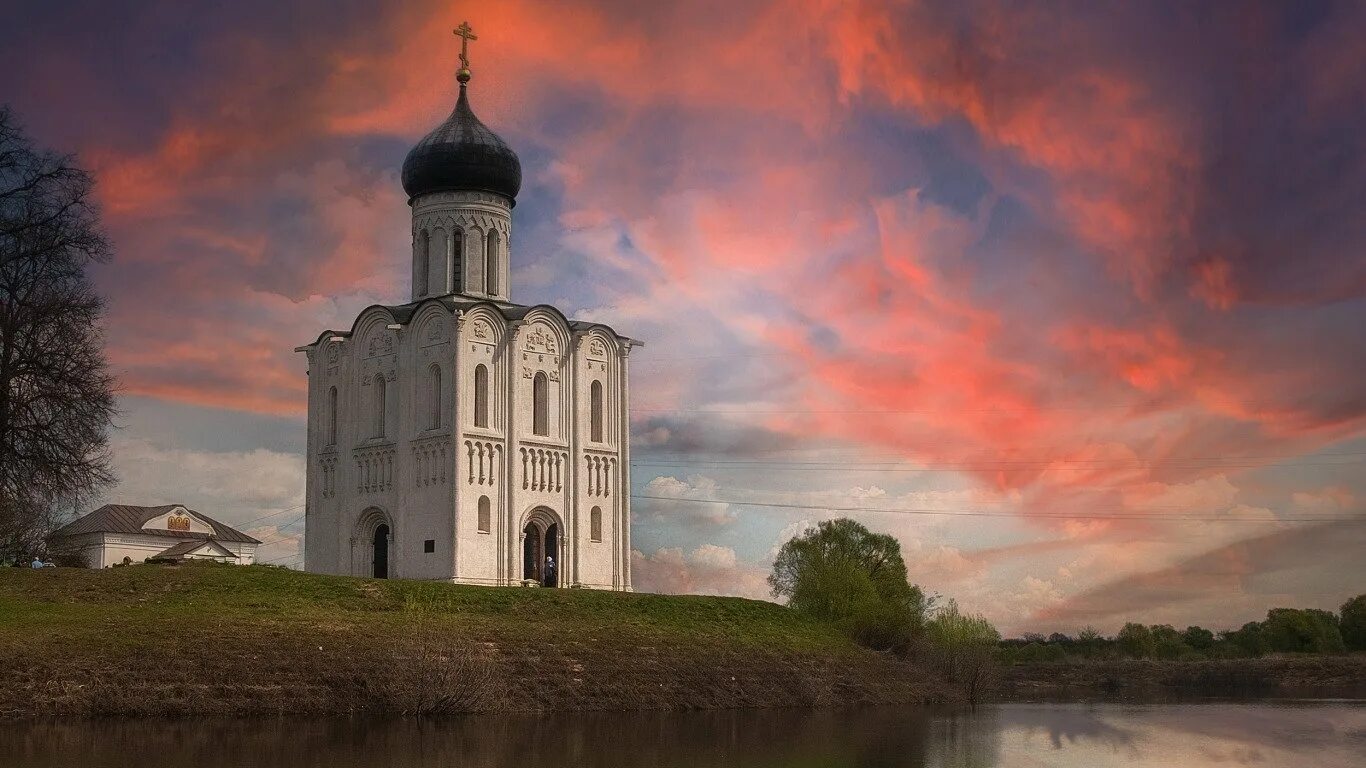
[[461, 436]]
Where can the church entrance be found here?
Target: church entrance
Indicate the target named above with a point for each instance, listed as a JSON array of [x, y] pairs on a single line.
[[380, 559], [540, 552]]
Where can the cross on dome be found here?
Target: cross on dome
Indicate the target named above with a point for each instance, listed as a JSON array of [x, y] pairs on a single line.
[[466, 34]]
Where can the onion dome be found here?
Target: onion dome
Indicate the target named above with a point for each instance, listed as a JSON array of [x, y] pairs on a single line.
[[462, 155]]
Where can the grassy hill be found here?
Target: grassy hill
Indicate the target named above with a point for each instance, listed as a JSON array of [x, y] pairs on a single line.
[[211, 639]]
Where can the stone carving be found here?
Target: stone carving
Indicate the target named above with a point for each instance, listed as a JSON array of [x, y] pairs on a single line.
[[597, 348], [482, 330], [333, 353], [539, 340], [436, 330], [382, 344]]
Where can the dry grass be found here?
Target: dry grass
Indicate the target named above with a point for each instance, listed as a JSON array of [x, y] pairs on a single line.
[[204, 639]]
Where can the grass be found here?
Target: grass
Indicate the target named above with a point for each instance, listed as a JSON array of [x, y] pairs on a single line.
[[210, 639]]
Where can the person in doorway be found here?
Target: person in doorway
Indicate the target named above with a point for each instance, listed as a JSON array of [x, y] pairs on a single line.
[[549, 570]]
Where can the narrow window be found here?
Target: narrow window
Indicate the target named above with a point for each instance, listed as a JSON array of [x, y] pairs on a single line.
[[457, 249], [484, 514], [332, 416], [379, 405], [540, 404], [491, 265], [434, 393], [481, 396], [429, 546], [595, 524], [595, 411], [436, 262], [424, 265]]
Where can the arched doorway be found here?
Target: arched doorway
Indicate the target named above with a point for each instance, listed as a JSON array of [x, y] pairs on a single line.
[[380, 552], [373, 551], [541, 549]]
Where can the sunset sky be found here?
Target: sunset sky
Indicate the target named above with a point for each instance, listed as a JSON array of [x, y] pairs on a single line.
[[1071, 297]]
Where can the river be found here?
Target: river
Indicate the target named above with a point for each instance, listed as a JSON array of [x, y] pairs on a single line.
[[1267, 735]]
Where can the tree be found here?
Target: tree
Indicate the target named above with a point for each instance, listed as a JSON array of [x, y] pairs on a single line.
[[1352, 623], [56, 394], [1199, 638], [1136, 640], [841, 572], [1248, 638], [1292, 630], [963, 648]]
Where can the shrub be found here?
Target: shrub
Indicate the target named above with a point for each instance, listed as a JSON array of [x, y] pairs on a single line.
[[962, 648]]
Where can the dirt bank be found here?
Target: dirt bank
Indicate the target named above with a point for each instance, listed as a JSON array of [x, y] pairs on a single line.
[[1271, 677], [223, 640]]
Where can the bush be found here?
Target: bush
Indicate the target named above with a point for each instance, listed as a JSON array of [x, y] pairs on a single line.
[[962, 648]]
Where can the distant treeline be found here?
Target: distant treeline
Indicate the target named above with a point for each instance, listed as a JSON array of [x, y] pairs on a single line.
[[1285, 630]]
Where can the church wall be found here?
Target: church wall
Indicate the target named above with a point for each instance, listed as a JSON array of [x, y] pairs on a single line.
[[481, 456]]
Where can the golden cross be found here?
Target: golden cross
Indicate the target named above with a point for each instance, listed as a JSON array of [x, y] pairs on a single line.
[[466, 35]]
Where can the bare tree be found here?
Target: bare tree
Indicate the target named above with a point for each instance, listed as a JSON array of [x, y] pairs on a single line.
[[56, 393]]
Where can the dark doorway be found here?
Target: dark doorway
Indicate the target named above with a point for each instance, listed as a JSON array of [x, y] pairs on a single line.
[[381, 559], [541, 553]]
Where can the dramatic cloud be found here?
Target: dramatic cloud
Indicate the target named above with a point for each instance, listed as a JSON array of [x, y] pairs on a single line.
[[1084, 282]]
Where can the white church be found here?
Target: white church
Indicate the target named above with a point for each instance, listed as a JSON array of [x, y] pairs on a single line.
[[461, 436]]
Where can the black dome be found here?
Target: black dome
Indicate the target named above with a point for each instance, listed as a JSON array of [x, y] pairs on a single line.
[[462, 154]]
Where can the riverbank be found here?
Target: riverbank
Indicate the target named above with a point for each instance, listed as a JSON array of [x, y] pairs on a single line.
[[224, 640], [1131, 679]]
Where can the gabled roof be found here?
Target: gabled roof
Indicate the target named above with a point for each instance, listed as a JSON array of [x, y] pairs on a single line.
[[184, 548], [125, 518]]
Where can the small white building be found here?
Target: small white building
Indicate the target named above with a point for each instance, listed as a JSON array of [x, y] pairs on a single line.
[[169, 532]]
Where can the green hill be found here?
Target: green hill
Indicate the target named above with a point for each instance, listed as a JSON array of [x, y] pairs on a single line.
[[210, 639]]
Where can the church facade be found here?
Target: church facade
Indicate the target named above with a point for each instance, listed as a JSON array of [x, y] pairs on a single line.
[[461, 436]]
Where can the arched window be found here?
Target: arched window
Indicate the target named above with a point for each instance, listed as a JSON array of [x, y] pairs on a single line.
[[379, 405], [540, 404], [595, 412], [457, 250], [481, 396], [595, 524], [332, 416], [491, 264], [434, 395], [485, 515], [424, 264]]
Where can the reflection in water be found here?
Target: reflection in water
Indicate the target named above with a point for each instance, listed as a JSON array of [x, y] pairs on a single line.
[[1008, 735]]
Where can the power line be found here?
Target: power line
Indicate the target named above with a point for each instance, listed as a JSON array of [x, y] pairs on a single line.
[[978, 513], [1058, 466]]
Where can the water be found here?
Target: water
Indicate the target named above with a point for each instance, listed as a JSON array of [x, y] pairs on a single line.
[[1266, 735]]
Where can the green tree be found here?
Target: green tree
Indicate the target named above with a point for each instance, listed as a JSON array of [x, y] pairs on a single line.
[[1199, 638], [1293, 630], [841, 572], [963, 649], [1352, 623], [1167, 642], [1247, 638], [1136, 641]]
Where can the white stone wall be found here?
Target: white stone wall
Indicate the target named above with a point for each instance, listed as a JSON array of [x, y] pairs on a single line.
[[439, 220], [425, 482]]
